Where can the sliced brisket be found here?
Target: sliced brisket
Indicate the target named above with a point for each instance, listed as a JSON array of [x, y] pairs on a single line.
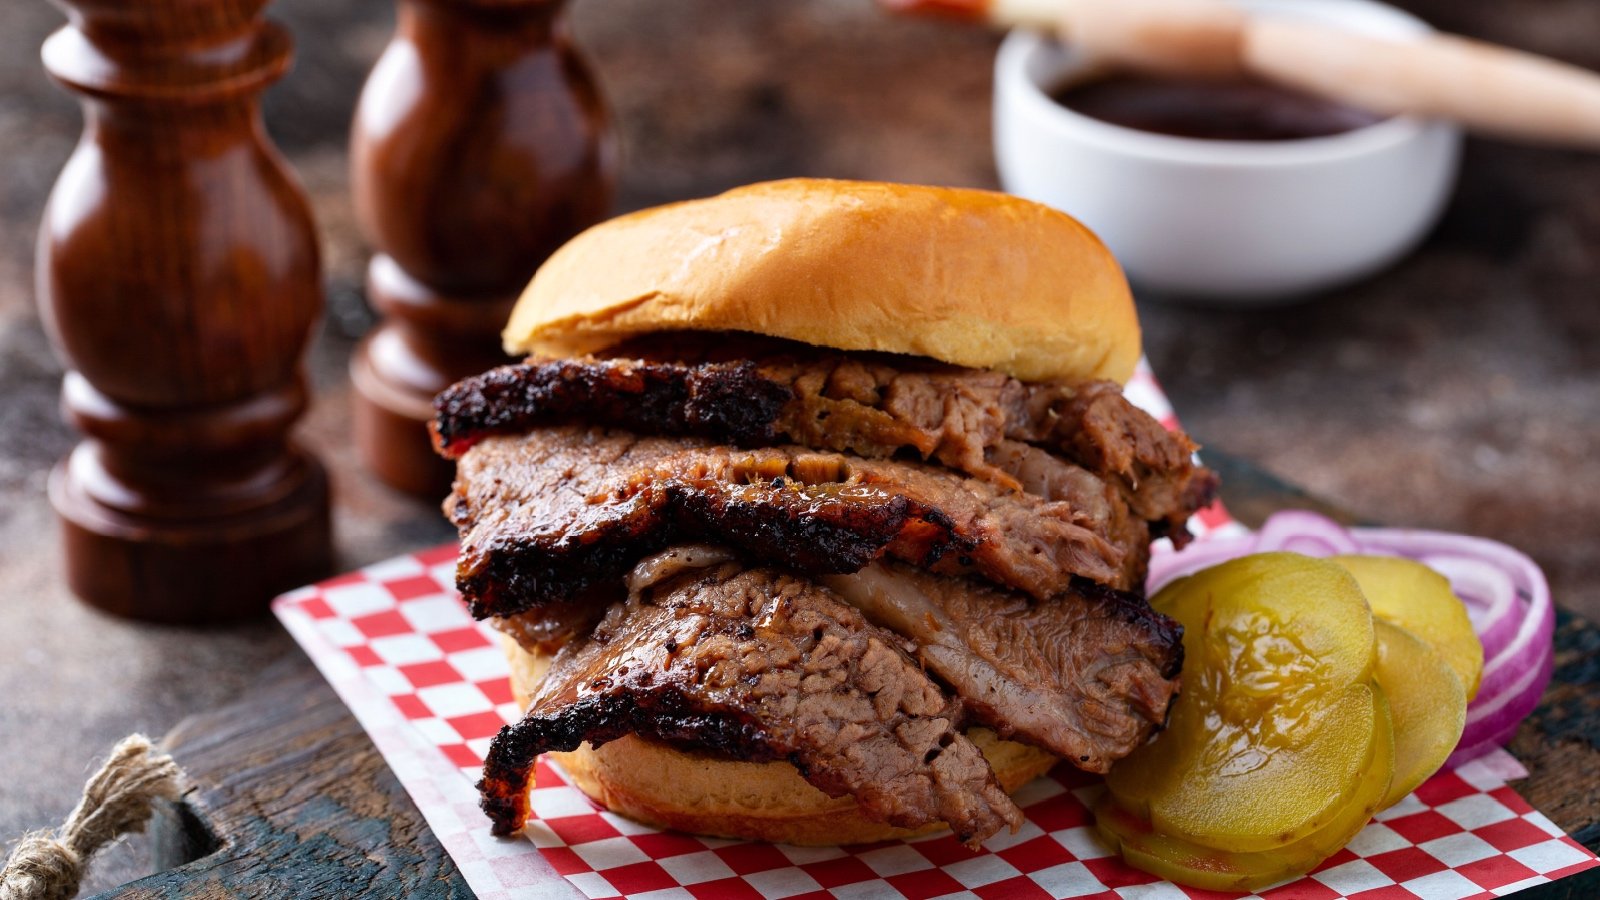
[[1095, 425], [1086, 675], [549, 514], [551, 626], [761, 666], [732, 401], [547, 628], [872, 405]]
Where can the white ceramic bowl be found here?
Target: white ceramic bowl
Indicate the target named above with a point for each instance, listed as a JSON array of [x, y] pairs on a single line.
[[1227, 221]]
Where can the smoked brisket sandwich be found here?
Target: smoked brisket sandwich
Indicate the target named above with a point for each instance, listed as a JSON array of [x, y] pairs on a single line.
[[816, 513]]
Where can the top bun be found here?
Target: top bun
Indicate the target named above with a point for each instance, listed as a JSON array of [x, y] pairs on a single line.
[[973, 278]]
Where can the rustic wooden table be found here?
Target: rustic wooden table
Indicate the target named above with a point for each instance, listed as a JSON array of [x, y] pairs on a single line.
[[1460, 390]]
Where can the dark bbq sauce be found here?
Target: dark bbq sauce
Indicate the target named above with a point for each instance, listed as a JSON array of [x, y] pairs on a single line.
[[1244, 110]]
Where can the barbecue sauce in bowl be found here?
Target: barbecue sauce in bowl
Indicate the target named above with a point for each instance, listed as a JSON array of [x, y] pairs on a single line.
[[1235, 110]]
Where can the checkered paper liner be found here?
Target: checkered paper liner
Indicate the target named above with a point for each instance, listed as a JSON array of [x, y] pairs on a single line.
[[431, 687]]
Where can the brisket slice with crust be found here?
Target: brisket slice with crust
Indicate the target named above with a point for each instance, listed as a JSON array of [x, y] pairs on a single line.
[[761, 666], [551, 626], [1096, 426], [558, 511], [1086, 676], [869, 404]]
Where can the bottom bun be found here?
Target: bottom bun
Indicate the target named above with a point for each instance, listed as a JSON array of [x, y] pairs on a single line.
[[667, 788]]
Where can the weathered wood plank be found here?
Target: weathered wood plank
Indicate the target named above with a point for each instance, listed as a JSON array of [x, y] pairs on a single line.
[[296, 802]]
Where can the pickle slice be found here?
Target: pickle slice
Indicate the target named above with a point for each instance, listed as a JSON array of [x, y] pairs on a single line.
[[1427, 703], [1418, 599], [1274, 729], [1180, 861], [1185, 862]]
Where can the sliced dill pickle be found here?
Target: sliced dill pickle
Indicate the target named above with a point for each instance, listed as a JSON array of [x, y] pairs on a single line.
[[1185, 862], [1275, 727], [1418, 599], [1427, 703]]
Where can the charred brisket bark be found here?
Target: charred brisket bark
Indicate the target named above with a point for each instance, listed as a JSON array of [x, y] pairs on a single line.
[[872, 405], [549, 514]]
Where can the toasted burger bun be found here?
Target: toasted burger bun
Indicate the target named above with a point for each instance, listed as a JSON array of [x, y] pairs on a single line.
[[659, 786], [973, 278]]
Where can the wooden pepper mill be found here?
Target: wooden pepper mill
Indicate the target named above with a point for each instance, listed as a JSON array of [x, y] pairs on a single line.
[[480, 145], [178, 275]]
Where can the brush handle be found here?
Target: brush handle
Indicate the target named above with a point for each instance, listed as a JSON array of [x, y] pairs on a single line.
[[1487, 88], [1197, 38]]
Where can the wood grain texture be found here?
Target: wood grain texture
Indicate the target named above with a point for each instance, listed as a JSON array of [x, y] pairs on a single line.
[[179, 276], [295, 800], [480, 145], [292, 801]]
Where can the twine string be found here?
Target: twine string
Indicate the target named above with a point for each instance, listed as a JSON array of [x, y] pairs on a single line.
[[118, 799]]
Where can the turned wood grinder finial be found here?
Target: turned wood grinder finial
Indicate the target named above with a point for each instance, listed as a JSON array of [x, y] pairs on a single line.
[[178, 275], [480, 145]]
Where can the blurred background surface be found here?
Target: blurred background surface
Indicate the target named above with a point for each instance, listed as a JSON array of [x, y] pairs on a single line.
[[1459, 390]]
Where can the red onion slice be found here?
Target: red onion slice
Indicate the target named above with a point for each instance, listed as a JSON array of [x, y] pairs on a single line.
[[1303, 531], [1488, 592], [1489, 728], [1167, 564]]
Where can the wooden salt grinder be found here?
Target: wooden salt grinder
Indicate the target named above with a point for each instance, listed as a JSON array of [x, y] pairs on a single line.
[[480, 145], [178, 275]]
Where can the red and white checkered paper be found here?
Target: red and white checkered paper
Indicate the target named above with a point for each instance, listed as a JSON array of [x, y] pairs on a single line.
[[431, 687]]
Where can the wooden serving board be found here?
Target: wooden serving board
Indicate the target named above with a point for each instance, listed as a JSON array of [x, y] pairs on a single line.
[[293, 800]]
